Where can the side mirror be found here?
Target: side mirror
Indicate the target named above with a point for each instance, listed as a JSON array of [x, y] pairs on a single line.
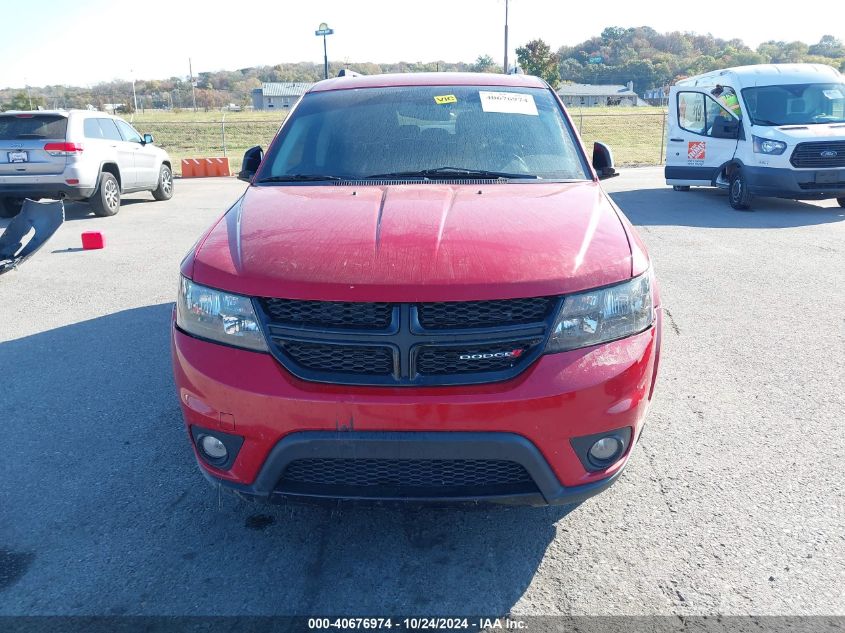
[[725, 128], [603, 161], [148, 139], [252, 159]]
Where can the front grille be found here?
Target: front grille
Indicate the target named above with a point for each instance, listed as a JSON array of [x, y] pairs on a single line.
[[387, 344], [477, 314], [343, 359], [819, 155], [368, 316], [405, 477], [440, 361]]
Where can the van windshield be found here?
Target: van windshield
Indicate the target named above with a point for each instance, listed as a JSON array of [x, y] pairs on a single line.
[[798, 104], [426, 132]]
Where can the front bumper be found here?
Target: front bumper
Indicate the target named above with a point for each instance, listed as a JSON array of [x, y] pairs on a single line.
[[530, 419], [270, 486], [795, 184]]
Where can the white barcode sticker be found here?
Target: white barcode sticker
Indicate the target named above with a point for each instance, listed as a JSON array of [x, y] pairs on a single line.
[[508, 102]]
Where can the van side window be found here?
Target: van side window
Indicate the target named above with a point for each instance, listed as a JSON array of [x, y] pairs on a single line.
[[691, 112], [697, 112]]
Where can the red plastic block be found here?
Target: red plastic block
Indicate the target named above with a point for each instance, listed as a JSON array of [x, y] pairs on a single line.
[[92, 240]]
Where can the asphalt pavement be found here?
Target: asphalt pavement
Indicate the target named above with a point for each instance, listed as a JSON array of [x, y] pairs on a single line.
[[732, 503]]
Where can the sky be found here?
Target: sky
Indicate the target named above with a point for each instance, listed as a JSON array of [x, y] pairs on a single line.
[[82, 42]]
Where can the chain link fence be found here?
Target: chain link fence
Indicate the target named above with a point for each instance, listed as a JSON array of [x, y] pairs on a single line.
[[635, 138], [209, 139]]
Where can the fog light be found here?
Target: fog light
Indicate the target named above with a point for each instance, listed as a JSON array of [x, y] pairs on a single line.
[[213, 448], [606, 449]]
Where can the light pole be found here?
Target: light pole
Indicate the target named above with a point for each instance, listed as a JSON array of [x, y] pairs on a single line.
[[324, 30], [506, 37]]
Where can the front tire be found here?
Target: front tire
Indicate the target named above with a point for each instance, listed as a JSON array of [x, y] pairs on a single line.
[[106, 200], [164, 191], [10, 207], [738, 194]]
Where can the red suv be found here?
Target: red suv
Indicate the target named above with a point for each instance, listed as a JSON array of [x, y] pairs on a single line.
[[424, 294]]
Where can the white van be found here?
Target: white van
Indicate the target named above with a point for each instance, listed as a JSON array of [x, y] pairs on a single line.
[[768, 130]]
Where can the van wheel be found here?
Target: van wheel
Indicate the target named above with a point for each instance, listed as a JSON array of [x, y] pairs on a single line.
[[10, 207], [164, 191], [680, 187], [841, 202], [738, 193], [106, 200]]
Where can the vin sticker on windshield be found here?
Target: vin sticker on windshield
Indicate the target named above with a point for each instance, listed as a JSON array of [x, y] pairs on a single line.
[[508, 102], [445, 99]]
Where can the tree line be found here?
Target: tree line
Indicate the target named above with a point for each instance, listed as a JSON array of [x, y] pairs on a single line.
[[618, 55], [650, 59]]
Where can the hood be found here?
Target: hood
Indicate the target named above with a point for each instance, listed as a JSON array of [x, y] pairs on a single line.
[[799, 133], [418, 242]]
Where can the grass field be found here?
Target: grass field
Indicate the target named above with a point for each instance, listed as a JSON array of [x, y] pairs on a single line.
[[634, 134]]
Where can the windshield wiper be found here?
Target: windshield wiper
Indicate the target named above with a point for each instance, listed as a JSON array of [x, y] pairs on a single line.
[[300, 178], [766, 122], [451, 172]]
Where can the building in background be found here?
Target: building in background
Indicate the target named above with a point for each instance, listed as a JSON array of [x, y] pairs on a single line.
[[588, 95], [276, 96]]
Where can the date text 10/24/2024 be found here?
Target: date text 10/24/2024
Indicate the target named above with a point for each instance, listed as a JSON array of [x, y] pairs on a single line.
[[417, 624]]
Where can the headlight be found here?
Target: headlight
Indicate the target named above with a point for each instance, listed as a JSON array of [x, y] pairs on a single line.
[[218, 316], [766, 146], [603, 315]]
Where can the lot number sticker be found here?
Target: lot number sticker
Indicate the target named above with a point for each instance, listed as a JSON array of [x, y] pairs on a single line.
[[696, 150], [508, 102]]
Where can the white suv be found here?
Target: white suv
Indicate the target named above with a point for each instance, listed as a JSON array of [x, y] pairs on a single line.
[[77, 155]]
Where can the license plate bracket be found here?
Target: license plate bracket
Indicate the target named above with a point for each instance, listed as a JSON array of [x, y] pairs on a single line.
[[827, 177], [18, 157]]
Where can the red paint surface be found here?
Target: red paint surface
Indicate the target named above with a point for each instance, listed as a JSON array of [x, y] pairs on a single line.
[[415, 242]]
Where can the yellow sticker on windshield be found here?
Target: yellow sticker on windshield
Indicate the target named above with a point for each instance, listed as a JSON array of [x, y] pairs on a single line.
[[445, 99]]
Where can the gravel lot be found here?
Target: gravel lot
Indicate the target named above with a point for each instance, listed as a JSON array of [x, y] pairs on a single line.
[[732, 504]]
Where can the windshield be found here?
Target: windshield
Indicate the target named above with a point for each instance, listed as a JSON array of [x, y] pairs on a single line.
[[428, 132], [798, 104]]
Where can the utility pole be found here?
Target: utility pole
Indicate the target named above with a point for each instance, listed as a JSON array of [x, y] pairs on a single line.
[[134, 97], [193, 85], [506, 37]]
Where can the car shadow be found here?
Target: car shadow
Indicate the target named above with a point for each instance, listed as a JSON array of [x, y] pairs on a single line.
[[82, 210], [112, 515], [707, 207]]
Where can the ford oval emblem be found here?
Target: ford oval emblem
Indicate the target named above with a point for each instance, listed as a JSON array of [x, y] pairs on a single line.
[[829, 153]]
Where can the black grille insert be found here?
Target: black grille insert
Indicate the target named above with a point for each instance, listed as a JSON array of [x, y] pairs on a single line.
[[335, 314], [443, 361], [405, 477], [342, 359], [478, 314], [822, 154], [425, 344]]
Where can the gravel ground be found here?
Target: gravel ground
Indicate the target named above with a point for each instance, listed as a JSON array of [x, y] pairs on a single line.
[[732, 503]]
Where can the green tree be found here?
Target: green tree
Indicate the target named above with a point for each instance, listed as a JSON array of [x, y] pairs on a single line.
[[536, 58], [485, 64], [828, 46]]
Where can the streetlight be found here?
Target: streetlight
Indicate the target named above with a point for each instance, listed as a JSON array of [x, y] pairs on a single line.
[[506, 37], [324, 30]]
